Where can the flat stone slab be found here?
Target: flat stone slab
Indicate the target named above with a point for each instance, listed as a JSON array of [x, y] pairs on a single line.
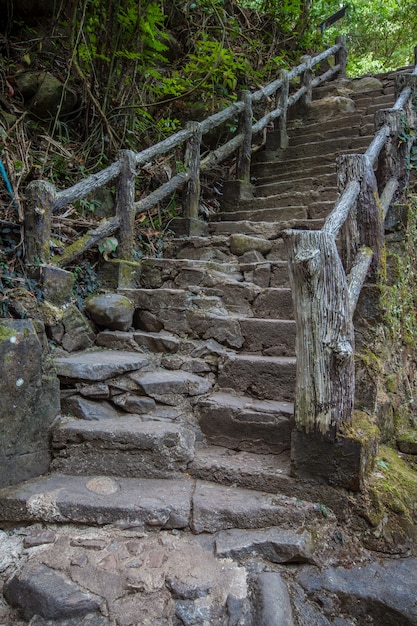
[[99, 364], [124, 446], [277, 545], [163, 382], [40, 590], [99, 500], [216, 507]]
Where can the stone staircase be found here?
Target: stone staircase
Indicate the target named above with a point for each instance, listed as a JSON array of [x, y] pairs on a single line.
[[185, 423]]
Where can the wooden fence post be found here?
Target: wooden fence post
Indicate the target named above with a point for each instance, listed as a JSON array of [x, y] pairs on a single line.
[[364, 225], [324, 339], [245, 150], [191, 200], [126, 212], [393, 159], [306, 80], [241, 188], [340, 57], [282, 103], [38, 221]]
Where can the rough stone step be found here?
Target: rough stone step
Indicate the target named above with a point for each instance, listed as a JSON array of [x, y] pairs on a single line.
[[272, 195], [263, 377], [126, 446], [164, 385], [324, 146], [272, 229], [263, 472], [99, 365], [281, 185], [318, 175], [242, 423], [155, 273], [245, 299], [150, 504], [270, 337], [144, 341], [272, 214], [314, 210]]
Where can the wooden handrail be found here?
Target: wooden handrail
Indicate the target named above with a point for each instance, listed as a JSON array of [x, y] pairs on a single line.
[[39, 202], [326, 285]]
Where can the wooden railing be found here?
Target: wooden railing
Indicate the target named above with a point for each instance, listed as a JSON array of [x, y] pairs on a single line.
[[43, 199], [326, 285]]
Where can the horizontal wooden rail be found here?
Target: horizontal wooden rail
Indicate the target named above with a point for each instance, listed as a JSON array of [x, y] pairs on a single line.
[[43, 200]]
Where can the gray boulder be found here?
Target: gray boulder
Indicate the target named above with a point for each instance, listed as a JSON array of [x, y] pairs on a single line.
[[111, 310]]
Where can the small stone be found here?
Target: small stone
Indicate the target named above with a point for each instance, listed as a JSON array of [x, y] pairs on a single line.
[[88, 543], [110, 310], [38, 538]]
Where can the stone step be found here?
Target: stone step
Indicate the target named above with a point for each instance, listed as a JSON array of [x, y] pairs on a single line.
[[275, 214], [99, 365], [168, 273], [242, 423], [126, 446], [198, 248], [240, 298], [150, 504], [272, 229], [337, 145], [283, 186], [270, 337], [271, 195], [142, 341], [318, 175], [263, 377]]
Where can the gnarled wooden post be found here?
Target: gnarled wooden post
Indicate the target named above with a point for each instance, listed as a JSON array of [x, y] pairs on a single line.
[[392, 161], [282, 103], [38, 221], [306, 80], [126, 212], [322, 446], [364, 225], [125, 204], [191, 201], [241, 188], [340, 58]]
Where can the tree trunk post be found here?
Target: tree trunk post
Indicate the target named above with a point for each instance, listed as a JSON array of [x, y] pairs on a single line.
[[324, 338], [365, 224], [245, 150], [306, 80], [341, 55], [191, 202], [125, 211], [125, 204], [38, 221], [393, 159], [282, 103], [328, 442]]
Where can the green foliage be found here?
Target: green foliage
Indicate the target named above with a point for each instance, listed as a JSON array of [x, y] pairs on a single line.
[[380, 36]]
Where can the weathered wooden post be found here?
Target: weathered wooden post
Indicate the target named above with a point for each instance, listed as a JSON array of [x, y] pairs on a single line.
[[393, 158], [340, 57], [282, 103], [125, 211], [306, 79], [38, 221], [241, 188], [364, 225]]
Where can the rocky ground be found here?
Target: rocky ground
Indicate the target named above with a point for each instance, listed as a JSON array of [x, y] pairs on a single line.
[[301, 575]]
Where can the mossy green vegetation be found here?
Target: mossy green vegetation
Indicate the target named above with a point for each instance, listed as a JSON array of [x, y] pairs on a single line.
[[393, 487]]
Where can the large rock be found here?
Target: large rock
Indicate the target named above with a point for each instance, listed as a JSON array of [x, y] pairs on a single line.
[[44, 95], [111, 310], [29, 402], [41, 590], [329, 107]]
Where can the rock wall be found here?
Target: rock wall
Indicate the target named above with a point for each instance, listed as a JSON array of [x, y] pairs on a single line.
[[29, 392]]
